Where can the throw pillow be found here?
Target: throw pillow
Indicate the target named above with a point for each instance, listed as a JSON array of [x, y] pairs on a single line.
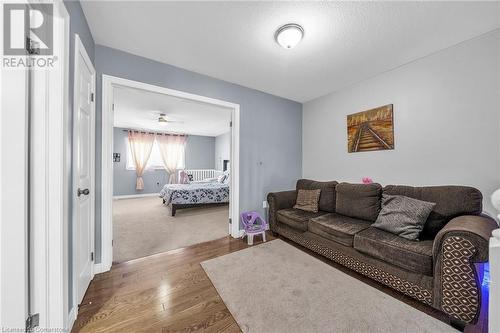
[[403, 216], [327, 197], [183, 177], [308, 200], [221, 178]]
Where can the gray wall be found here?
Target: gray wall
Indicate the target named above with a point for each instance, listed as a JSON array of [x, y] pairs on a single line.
[[200, 151], [199, 155], [78, 25], [222, 149], [270, 133], [446, 122]]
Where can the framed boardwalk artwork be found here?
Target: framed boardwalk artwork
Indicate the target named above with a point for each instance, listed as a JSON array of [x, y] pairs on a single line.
[[371, 130]]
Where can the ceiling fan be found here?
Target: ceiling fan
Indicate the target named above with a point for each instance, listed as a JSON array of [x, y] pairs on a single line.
[[162, 120]]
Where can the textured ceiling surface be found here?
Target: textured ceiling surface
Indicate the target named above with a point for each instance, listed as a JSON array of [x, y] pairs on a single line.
[[344, 42], [140, 109]]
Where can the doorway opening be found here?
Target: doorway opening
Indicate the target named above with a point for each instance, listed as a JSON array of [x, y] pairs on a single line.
[[173, 178]]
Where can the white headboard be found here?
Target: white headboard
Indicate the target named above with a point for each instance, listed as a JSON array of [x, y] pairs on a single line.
[[201, 174]]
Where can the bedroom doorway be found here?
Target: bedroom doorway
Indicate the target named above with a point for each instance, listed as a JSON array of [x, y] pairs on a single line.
[[173, 170]]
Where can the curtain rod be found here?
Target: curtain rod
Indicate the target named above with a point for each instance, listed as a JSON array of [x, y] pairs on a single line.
[[149, 132]]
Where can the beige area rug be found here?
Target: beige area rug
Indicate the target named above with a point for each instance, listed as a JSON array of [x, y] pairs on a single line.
[[275, 287], [143, 226]]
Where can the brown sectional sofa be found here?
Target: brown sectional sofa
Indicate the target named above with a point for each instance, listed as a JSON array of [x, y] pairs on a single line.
[[438, 270]]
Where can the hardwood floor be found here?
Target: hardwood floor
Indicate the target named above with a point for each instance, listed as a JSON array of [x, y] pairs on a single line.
[[170, 292], [167, 292]]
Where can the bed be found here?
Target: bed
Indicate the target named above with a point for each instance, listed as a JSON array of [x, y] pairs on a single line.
[[195, 194]]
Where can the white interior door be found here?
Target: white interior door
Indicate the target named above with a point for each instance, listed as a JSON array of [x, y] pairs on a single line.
[[83, 152]]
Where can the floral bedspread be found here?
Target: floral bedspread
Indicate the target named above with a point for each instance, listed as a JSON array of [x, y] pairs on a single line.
[[195, 193]]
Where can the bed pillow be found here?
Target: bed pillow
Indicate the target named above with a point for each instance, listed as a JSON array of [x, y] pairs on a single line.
[[221, 178], [403, 216], [307, 200], [183, 177]]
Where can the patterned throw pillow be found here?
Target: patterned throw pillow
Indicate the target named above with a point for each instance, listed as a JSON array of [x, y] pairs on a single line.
[[221, 178], [308, 200], [226, 180], [403, 216]]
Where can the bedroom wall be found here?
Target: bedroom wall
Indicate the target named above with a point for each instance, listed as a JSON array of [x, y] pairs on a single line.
[[199, 155], [270, 133], [222, 149], [200, 151], [446, 122], [78, 25]]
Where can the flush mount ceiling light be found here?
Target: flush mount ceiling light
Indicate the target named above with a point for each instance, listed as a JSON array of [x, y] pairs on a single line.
[[289, 35]]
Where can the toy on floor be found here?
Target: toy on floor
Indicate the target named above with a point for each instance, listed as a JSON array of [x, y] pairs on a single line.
[[253, 224]]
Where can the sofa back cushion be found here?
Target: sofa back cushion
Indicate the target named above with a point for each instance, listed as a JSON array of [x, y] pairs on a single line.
[[327, 196], [451, 201], [360, 201]]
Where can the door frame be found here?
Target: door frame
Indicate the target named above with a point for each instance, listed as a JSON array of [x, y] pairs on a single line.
[[81, 51], [13, 193], [108, 84], [50, 181], [41, 198]]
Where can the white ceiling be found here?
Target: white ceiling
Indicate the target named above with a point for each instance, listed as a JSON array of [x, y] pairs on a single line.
[[140, 109], [345, 42]]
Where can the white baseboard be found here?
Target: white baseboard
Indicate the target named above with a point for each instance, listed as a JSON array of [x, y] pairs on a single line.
[[132, 196], [240, 233], [100, 268], [72, 318]]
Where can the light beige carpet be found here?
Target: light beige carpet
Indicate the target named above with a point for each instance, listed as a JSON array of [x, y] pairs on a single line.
[[143, 226], [275, 287]]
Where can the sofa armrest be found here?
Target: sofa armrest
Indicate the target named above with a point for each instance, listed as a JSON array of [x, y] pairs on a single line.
[[474, 228], [461, 244], [277, 201]]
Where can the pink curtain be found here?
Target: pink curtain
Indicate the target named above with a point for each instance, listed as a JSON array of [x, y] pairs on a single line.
[[141, 145], [172, 149]]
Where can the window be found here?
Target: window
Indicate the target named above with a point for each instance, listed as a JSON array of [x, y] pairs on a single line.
[[155, 161]]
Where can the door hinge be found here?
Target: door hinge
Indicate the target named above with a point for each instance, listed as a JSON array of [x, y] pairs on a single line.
[[91, 97], [91, 256], [230, 221], [230, 124], [32, 321], [112, 242], [113, 106]]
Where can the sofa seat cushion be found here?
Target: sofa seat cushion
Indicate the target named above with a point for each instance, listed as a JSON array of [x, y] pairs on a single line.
[[338, 228], [411, 255], [296, 218]]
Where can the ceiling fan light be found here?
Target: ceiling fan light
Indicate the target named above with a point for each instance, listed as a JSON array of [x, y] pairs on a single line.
[[289, 35], [162, 120]]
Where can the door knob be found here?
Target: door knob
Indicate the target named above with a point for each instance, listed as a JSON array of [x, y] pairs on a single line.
[[84, 191]]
